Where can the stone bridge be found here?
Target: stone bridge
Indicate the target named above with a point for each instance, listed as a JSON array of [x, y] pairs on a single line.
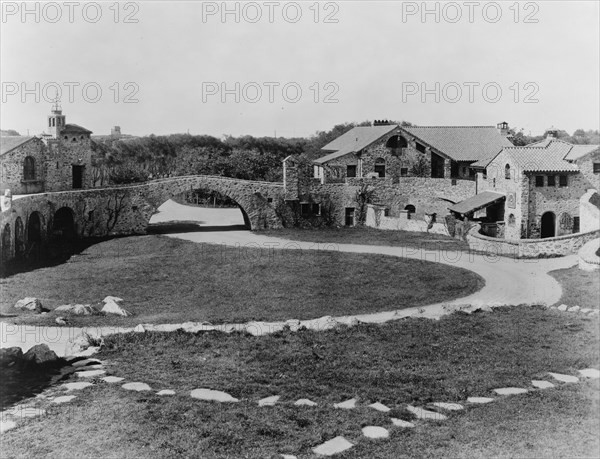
[[34, 219]]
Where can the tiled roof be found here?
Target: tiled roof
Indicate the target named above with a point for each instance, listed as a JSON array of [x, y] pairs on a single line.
[[548, 158], [75, 128], [354, 140], [479, 201], [579, 151], [9, 143], [462, 143]]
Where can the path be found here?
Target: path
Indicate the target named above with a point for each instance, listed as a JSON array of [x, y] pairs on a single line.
[[507, 281]]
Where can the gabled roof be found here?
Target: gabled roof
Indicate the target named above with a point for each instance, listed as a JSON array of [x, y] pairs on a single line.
[[547, 158], [75, 128], [579, 151], [477, 202], [462, 143], [9, 143]]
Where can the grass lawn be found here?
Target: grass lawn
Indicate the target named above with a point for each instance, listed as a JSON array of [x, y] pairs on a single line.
[[166, 280], [370, 236], [413, 361], [579, 287]]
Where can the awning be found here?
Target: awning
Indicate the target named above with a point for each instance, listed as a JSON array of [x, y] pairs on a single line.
[[477, 202]]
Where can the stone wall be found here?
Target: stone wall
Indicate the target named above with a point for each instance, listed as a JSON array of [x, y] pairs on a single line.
[[63, 154], [530, 248], [589, 211], [376, 218], [12, 166]]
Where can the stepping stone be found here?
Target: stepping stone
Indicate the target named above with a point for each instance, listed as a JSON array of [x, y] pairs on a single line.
[[212, 395], [63, 399], [304, 402], [510, 391], [449, 406], [166, 392], [401, 423], [375, 432], [269, 401], [480, 400], [112, 379], [85, 362], [334, 446], [425, 414], [574, 309], [380, 407], [77, 385], [585, 310], [137, 386], [541, 384], [564, 378], [6, 425], [590, 373], [288, 456], [347, 405], [563, 307], [90, 374]]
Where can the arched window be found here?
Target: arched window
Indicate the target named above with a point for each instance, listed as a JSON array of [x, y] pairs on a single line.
[[29, 168], [410, 208], [507, 172], [396, 141], [511, 220], [380, 167]]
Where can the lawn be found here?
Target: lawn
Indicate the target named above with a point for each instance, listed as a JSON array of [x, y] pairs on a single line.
[[413, 361], [370, 236], [166, 280], [580, 288]]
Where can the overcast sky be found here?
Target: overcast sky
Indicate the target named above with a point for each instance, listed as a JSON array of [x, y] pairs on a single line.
[[162, 67]]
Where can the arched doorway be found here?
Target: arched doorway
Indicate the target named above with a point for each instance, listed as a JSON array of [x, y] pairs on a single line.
[[63, 225], [19, 238], [548, 225]]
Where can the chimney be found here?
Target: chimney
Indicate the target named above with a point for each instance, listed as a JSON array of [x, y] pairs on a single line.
[[552, 133], [503, 128], [380, 122]]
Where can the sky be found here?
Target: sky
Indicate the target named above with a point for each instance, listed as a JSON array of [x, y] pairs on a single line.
[[295, 68]]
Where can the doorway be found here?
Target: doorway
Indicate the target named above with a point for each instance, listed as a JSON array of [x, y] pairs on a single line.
[[349, 216], [548, 225], [77, 177]]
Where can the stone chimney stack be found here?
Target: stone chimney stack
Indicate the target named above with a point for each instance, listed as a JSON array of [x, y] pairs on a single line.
[[116, 132]]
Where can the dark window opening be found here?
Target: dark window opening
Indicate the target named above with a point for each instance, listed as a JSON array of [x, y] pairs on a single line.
[[74, 139], [351, 171], [539, 180], [471, 172], [29, 168], [269, 199], [316, 209], [420, 147], [507, 172], [551, 180], [562, 180], [596, 168], [410, 209], [305, 209], [349, 220], [576, 224], [404, 171], [380, 167]]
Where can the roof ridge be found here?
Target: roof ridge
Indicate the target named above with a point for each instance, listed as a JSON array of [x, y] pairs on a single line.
[[450, 126]]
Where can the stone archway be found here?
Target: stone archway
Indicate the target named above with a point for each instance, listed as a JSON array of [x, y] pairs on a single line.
[[63, 224], [548, 225]]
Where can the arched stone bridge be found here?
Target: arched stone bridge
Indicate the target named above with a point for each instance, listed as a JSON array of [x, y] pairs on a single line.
[[33, 219]]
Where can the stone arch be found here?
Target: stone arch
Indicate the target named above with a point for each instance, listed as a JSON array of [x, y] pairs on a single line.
[[63, 224], [35, 229], [6, 243], [19, 238], [396, 141], [411, 209]]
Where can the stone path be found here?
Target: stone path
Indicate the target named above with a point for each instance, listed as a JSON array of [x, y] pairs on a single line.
[[11, 419]]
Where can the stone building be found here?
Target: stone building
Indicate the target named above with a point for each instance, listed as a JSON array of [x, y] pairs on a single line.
[[56, 160], [394, 151], [533, 191]]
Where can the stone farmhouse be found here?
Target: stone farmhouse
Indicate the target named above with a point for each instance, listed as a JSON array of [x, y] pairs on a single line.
[[536, 191], [59, 159]]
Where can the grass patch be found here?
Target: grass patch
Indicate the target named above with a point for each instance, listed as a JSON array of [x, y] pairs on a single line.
[[166, 280], [370, 236], [580, 287], [411, 361]]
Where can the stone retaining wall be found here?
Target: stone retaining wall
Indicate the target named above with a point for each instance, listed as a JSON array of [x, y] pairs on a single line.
[[588, 260], [530, 248], [376, 219]]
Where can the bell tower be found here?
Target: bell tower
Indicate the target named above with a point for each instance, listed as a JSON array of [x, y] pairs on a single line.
[[56, 120]]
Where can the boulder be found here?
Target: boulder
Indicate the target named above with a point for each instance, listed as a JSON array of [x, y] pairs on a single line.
[[10, 355], [41, 354], [77, 309], [112, 306], [30, 304]]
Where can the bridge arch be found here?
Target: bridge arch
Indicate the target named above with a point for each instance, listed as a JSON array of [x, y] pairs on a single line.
[[19, 238], [35, 229], [63, 224]]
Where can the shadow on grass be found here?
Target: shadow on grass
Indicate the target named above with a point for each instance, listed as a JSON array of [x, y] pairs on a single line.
[[189, 227]]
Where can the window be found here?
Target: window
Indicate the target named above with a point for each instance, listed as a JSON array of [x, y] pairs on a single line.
[[576, 224], [539, 180], [29, 168], [551, 180], [74, 139], [511, 220], [351, 171], [562, 180], [464, 171], [305, 209], [507, 172], [471, 172], [316, 209], [380, 167], [420, 147], [596, 168], [404, 171], [410, 209]]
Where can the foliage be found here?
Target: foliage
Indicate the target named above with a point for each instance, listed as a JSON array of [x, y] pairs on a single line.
[[364, 196]]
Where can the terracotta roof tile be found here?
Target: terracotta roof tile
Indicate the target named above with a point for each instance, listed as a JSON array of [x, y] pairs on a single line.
[[9, 143]]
